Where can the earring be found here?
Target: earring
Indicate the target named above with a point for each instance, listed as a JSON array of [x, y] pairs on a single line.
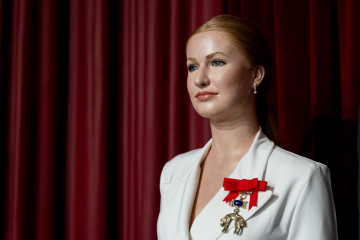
[[255, 92]]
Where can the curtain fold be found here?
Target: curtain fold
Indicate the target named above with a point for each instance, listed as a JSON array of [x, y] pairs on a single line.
[[21, 143], [349, 48], [143, 120], [291, 23], [86, 189], [46, 123], [93, 103]]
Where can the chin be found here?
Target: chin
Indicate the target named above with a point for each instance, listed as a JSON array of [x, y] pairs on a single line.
[[217, 113], [207, 113], [203, 113]]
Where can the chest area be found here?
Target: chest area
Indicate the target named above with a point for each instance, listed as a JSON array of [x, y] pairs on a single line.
[[209, 184]]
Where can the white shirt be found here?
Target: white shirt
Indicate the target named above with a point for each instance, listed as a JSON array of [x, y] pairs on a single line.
[[296, 205]]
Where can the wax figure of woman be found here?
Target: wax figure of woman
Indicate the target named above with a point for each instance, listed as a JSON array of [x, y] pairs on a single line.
[[240, 185]]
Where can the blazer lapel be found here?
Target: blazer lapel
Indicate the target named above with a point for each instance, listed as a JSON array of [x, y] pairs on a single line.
[[178, 208]]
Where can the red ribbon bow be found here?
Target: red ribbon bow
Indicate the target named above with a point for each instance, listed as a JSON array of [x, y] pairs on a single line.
[[244, 185]]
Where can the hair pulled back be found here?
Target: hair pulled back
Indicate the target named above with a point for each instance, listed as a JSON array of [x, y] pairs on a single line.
[[252, 44]]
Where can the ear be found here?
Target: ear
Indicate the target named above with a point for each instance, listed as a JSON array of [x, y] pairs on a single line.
[[259, 72]]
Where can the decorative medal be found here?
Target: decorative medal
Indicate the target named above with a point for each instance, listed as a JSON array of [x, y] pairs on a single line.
[[240, 189], [239, 220]]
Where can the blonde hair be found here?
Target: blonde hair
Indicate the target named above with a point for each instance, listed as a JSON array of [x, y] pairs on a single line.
[[252, 44]]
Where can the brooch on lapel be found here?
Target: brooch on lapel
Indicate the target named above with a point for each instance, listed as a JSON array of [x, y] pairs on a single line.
[[239, 190]]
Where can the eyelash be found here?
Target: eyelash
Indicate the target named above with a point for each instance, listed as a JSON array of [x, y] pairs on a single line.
[[190, 68], [215, 63], [220, 63]]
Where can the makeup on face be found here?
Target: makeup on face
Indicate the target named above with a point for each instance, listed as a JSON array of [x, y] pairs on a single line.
[[204, 95], [218, 80]]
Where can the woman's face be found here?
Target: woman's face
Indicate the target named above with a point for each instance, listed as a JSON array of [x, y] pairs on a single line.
[[219, 82]]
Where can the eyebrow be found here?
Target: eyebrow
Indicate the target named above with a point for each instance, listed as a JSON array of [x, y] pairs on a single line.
[[210, 56]]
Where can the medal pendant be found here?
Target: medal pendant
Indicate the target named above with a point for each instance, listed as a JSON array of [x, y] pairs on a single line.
[[239, 221]]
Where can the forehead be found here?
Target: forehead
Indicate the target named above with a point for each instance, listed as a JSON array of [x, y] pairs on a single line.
[[209, 42]]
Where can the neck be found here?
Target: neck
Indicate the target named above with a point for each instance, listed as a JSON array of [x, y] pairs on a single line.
[[231, 140]]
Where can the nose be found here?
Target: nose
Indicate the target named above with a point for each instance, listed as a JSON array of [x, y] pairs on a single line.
[[202, 79]]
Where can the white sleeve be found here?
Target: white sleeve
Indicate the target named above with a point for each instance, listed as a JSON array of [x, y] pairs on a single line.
[[160, 226], [314, 216]]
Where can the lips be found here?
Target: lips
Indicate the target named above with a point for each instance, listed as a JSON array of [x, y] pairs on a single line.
[[204, 95]]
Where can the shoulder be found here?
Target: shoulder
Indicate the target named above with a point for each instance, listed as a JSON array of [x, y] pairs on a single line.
[[284, 158], [177, 167], [297, 182], [285, 166]]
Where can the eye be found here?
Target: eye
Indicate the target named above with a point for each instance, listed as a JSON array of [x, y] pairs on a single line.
[[192, 68], [217, 63]]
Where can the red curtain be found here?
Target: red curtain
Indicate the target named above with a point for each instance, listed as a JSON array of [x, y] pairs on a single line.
[[93, 102]]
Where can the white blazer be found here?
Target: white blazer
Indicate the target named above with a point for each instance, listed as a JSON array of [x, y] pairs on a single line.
[[297, 204]]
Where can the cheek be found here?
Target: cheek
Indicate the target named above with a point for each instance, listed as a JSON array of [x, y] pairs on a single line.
[[191, 88], [234, 86], [189, 85], [227, 80], [236, 80]]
